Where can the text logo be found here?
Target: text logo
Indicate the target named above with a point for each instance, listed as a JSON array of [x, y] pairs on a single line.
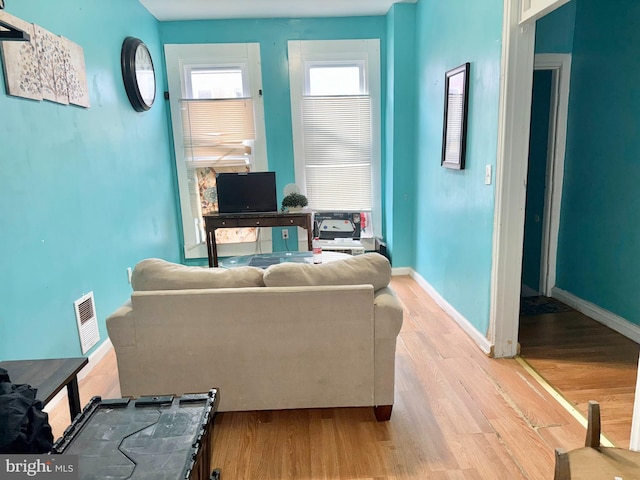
[[51, 467]]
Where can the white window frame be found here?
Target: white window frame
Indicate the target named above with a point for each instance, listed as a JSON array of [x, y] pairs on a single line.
[[304, 54], [310, 64], [179, 59], [190, 68]]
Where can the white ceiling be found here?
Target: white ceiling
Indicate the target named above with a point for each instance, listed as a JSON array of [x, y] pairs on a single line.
[[165, 10]]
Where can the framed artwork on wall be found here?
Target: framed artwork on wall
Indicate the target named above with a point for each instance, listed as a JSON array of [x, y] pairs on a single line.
[[44, 66], [456, 106]]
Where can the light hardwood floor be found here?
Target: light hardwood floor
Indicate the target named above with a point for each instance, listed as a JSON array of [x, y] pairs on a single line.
[[584, 360], [457, 415]]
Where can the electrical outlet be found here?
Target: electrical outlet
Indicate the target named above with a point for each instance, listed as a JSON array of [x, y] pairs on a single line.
[[285, 233]]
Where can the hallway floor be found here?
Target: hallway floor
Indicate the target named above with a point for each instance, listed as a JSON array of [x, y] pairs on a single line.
[[584, 360]]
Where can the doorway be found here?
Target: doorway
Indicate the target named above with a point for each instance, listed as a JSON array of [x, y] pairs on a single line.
[[549, 106], [513, 134]]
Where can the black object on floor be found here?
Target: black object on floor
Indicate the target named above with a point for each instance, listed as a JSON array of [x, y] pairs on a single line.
[[159, 438], [540, 305], [24, 427]]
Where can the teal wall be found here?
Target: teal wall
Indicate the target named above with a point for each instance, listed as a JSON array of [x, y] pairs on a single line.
[[84, 193], [536, 177], [399, 178], [273, 34], [599, 239], [454, 209]]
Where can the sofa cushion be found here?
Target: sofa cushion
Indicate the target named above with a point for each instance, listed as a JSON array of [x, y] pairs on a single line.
[[366, 269], [158, 274]]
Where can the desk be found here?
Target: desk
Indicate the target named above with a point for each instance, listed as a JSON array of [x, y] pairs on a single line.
[[49, 377], [231, 220]]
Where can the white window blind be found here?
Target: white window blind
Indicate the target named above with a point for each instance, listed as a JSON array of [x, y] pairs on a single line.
[[336, 125], [217, 130], [337, 149], [216, 136]]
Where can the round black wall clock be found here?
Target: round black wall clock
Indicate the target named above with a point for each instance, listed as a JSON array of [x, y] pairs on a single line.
[[138, 74]]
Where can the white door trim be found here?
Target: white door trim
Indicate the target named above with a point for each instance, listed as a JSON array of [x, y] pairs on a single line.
[[516, 83], [514, 123], [513, 127], [560, 65], [533, 9], [634, 443]]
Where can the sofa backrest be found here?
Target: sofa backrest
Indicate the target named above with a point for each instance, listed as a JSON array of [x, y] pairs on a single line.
[[366, 269], [158, 274]]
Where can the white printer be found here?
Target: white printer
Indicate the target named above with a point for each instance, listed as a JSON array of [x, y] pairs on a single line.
[[339, 231]]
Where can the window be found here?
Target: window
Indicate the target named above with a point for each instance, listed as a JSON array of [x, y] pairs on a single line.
[[218, 126], [216, 82], [336, 78], [335, 100]]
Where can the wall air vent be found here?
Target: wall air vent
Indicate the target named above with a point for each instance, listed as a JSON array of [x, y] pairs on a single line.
[[87, 322]]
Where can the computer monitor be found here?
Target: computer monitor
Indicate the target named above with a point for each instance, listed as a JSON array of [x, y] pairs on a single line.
[[247, 192]]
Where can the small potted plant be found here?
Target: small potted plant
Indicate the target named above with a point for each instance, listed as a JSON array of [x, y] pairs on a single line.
[[294, 202]]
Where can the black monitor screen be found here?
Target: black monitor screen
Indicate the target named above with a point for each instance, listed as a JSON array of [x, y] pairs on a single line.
[[247, 192]]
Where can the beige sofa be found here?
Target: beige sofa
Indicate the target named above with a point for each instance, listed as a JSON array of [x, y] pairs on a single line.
[[291, 336]]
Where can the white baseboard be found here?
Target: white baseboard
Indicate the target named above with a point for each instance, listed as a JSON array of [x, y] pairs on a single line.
[[401, 271], [605, 317], [94, 358], [634, 443], [476, 336]]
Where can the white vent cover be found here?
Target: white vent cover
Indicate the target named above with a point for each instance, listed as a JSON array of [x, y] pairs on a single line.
[[87, 321]]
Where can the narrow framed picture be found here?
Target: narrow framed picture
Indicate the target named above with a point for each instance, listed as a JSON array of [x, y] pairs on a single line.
[[456, 106]]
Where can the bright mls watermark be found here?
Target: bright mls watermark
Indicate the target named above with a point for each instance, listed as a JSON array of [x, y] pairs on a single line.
[[51, 467]]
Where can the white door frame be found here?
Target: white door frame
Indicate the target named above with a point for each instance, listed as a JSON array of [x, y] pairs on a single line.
[[560, 66], [514, 113], [514, 122], [516, 82], [531, 10], [634, 443]]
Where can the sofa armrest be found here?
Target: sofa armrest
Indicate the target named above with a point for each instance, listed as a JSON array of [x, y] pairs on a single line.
[[120, 327], [387, 312], [122, 333]]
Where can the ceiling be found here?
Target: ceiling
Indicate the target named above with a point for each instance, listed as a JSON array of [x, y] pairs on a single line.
[[166, 10]]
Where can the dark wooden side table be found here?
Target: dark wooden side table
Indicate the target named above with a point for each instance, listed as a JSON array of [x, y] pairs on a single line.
[[49, 376], [232, 220]]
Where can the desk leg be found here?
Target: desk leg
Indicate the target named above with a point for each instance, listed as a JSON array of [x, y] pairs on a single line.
[[212, 248], [309, 233], [74, 397]]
